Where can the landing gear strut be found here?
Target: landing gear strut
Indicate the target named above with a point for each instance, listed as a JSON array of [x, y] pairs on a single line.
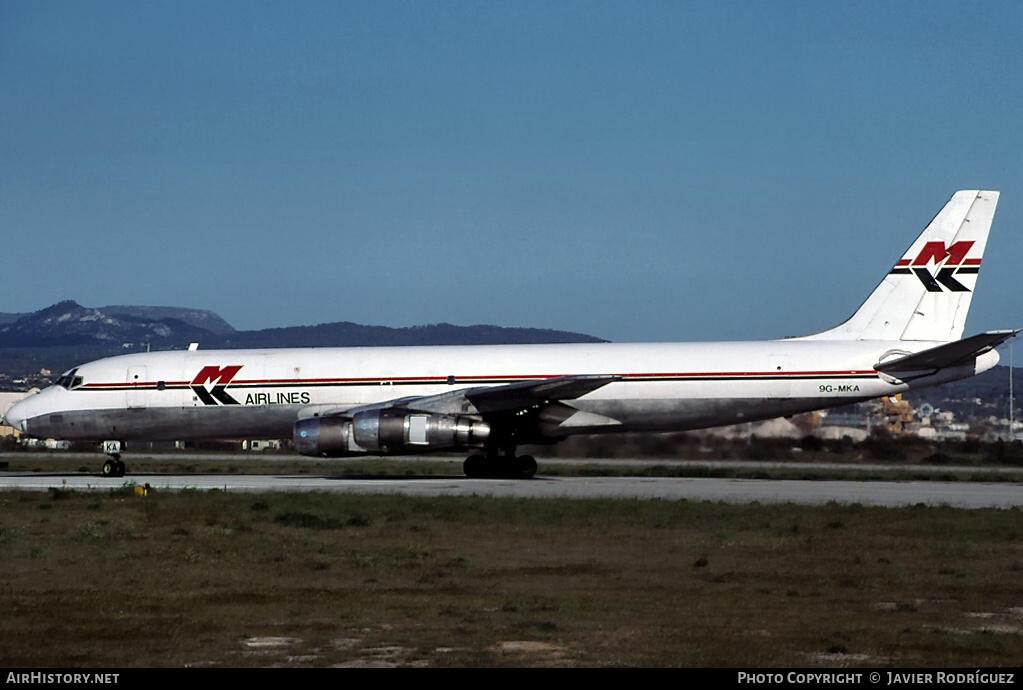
[[494, 466], [114, 466]]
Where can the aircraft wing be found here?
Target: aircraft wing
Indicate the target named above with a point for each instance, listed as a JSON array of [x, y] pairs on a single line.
[[946, 355], [508, 397], [516, 396]]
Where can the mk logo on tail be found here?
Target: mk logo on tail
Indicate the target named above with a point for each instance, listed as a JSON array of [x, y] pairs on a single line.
[[948, 261], [216, 375]]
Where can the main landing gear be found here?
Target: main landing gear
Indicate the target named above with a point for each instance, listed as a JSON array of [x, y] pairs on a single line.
[[114, 466], [494, 466]]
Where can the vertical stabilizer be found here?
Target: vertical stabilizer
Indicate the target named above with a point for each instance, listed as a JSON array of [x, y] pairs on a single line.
[[927, 294]]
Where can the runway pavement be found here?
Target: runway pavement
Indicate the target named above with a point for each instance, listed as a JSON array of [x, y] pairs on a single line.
[[875, 493]]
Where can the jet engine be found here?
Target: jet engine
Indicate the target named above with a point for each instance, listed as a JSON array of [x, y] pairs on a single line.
[[386, 431], [325, 437]]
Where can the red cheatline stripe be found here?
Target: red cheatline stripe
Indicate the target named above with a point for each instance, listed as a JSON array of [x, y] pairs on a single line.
[[254, 383], [753, 374]]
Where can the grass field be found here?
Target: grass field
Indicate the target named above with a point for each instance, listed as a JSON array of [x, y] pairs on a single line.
[[217, 579]]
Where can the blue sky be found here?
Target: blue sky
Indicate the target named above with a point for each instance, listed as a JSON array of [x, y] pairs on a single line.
[[632, 170]]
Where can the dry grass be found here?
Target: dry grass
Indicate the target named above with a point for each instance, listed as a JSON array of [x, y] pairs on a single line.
[[215, 579]]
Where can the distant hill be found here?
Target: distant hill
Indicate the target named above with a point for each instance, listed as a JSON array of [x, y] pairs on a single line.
[[345, 334], [198, 318], [70, 324], [65, 334]]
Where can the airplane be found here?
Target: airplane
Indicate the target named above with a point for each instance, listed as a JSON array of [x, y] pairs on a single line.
[[490, 399]]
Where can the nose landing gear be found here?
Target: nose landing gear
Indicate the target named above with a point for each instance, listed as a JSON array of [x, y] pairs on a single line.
[[114, 466]]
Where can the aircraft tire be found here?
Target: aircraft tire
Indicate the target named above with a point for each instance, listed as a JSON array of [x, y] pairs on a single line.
[[480, 467], [114, 468], [475, 466]]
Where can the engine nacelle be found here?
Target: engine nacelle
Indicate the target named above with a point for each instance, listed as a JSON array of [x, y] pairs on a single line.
[[391, 430], [397, 430], [325, 437]]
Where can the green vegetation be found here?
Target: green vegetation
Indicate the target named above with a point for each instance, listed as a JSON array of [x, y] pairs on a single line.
[[217, 579]]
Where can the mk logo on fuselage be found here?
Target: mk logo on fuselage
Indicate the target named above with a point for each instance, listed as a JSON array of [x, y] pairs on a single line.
[[948, 261], [220, 377]]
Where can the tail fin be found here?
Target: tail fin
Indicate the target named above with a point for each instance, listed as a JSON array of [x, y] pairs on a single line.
[[926, 296]]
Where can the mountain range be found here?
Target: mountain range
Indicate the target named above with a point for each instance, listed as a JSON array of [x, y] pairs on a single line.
[[115, 328], [66, 333], [70, 324]]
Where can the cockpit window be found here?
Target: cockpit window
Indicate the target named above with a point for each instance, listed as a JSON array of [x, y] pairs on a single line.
[[70, 379]]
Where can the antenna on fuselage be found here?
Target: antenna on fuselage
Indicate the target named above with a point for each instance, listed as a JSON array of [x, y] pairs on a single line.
[[193, 346]]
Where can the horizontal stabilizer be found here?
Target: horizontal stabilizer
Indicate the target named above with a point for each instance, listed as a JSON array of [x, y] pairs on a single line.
[[947, 355]]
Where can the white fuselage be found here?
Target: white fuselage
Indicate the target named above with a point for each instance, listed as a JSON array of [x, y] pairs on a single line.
[[182, 395]]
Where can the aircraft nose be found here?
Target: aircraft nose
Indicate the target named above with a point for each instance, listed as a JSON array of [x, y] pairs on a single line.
[[13, 418], [18, 414]]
